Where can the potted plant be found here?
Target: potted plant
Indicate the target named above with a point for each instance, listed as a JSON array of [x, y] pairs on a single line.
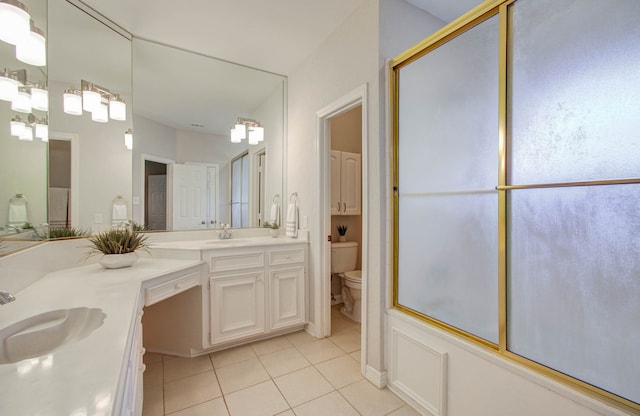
[[342, 230], [118, 247], [274, 226]]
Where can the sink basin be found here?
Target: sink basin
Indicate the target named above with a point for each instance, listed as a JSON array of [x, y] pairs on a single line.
[[43, 333]]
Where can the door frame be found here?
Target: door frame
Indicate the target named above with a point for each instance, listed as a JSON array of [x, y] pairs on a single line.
[[322, 284], [143, 190]]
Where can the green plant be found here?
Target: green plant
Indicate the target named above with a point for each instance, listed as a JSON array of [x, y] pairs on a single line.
[[139, 227], [272, 225], [117, 241], [342, 229], [65, 232]]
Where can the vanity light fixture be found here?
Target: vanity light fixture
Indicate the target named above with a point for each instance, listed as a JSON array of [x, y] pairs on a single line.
[[10, 81], [99, 101], [22, 103], [128, 139], [14, 21], [247, 128], [32, 49], [27, 134], [42, 130], [24, 130]]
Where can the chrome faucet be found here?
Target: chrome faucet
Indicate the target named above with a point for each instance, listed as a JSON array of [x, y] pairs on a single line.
[[225, 234], [6, 297]]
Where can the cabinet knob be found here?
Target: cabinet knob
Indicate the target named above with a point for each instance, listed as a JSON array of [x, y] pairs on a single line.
[[142, 351], [344, 204], [178, 285], [202, 222], [142, 368]]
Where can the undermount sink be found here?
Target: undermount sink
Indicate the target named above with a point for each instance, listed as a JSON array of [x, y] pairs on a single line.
[[43, 333]]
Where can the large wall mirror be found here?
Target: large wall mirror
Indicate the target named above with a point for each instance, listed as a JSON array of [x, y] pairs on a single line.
[[183, 172]]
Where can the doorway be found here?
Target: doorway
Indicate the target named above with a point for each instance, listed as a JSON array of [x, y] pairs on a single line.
[[155, 195], [322, 284]]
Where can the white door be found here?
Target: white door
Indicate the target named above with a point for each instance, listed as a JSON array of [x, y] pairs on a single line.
[[187, 202], [157, 191]]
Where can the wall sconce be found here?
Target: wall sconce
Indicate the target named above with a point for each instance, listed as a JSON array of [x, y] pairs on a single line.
[[17, 28], [247, 128], [128, 139], [99, 101], [22, 102]]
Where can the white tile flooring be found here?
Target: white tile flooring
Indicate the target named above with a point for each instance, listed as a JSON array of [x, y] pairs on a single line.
[[294, 374]]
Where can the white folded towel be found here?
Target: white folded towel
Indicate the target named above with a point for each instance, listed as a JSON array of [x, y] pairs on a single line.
[[292, 220], [273, 214]]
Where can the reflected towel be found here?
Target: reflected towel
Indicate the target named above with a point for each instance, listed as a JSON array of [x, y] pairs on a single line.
[[292, 220], [18, 214], [273, 215], [118, 214], [59, 207]]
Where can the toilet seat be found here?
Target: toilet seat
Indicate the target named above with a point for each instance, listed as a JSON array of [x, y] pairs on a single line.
[[354, 276]]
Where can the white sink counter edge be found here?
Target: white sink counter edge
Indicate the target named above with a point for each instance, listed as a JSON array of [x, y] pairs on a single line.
[[199, 245], [85, 377]]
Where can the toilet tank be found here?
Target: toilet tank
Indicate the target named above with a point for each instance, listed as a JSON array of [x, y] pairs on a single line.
[[344, 256]]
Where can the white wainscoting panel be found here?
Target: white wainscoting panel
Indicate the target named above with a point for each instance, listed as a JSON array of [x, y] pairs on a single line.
[[418, 371]]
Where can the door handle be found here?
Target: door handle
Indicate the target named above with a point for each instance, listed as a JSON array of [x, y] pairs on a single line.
[[344, 204], [338, 206]]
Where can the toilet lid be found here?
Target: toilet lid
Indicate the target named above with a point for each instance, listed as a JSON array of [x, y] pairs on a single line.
[[353, 275]]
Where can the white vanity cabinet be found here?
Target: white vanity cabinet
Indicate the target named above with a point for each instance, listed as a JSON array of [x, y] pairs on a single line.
[[256, 291]]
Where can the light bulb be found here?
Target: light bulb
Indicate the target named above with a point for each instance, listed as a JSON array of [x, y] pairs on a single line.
[[39, 98], [27, 134], [236, 136], [32, 49], [128, 139], [17, 126], [42, 131], [14, 21], [8, 86], [72, 102], [22, 103], [101, 114], [117, 109], [253, 137], [91, 100]]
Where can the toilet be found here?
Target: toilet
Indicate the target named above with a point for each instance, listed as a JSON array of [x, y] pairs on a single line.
[[344, 257]]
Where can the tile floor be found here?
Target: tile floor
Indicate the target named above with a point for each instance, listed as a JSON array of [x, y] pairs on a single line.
[[293, 374]]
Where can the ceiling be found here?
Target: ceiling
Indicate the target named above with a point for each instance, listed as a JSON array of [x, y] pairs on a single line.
[[274, 35]]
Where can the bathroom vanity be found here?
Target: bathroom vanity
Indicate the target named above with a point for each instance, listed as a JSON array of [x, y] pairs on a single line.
[[191, 297], [254, 288]]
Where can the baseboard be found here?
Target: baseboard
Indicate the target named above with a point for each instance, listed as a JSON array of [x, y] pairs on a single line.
[[311, 329], [378, 378]]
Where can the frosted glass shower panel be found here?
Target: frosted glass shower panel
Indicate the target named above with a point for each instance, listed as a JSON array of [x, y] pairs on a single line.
[[447, 260], [574, 101], [448, 122], [447, 173], [574, 285]]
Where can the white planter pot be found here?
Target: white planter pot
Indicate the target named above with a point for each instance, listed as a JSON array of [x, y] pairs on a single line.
[[117, 261]]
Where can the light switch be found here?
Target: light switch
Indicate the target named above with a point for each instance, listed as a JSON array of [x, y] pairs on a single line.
[[136, 200]]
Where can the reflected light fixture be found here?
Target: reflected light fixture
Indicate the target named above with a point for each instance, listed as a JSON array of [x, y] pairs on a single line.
[[72, 103], [22, 103], [128, 139], [39, 98], [10, 81], [17, 126], [42, 130], [14, 21], [247, 128], [95, 99], [101, 114], [32, 49], [27, 134]]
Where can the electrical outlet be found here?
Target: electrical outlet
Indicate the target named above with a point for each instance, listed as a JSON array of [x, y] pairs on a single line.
[[136, 200], [97, 218]]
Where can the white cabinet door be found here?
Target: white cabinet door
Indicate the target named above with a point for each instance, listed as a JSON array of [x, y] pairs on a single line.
[[336, 201], [237, 306], [286, 299], [346, 183], [351, 183]]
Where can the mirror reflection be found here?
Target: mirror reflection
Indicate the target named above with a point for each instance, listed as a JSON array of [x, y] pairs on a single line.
[[23, 125], [188, 174], [180, 107]]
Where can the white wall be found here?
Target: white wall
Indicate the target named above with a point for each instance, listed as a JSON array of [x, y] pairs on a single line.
[[348, 59]]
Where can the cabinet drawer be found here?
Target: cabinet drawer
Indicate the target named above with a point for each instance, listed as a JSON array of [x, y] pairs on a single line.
[[220, 263], [295, 255], [167, 289]]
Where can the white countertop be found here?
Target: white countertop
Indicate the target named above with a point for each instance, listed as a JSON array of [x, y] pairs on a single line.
[[80, 378], [198, 245]]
